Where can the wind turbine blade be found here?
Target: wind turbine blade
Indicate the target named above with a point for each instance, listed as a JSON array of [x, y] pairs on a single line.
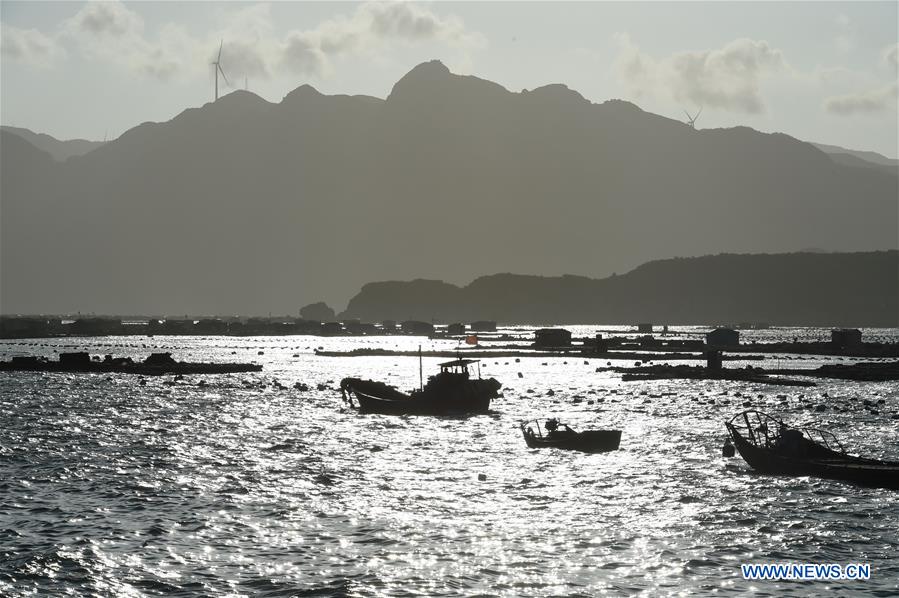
[[688, 115], [698, 113], [221, 43], [223, 75]]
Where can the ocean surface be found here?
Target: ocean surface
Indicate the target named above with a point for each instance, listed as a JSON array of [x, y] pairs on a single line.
[[113, 485]]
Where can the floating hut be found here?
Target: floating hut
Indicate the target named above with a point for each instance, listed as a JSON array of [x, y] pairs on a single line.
[[552, 337], [722, 338], [846, 337]]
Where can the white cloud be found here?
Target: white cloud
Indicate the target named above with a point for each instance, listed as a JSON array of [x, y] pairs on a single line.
[[250, 48], [874, 101], [372, 24], [303, 54], [114, 32], [891, 56], [106, 18], [403, 20], [29, 46], [728, 78]]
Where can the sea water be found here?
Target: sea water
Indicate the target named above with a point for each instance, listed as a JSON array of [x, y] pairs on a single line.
[[229, 485]]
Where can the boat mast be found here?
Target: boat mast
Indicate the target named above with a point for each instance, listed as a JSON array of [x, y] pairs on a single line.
[[421, 384]]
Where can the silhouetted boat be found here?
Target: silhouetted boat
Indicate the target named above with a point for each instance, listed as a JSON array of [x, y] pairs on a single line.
[[550, 433], [452, 391], [770, 446]]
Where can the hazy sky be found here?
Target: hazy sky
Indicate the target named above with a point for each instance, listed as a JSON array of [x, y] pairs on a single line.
[[821, 71]]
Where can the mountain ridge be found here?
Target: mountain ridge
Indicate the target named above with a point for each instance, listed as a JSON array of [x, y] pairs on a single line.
[[60, 150], [795, 289], [327, 192]]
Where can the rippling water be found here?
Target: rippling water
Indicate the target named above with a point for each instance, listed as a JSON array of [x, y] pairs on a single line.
[[235, 487]]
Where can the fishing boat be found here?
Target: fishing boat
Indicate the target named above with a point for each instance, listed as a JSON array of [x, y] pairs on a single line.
[[453, 391], [770, 446], [551, 433]]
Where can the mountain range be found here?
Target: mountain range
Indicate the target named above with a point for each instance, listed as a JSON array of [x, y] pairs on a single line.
[[60, 150], [247, 206], [796, 289]]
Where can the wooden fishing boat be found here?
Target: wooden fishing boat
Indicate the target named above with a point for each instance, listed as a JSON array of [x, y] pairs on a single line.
[[770, 446], [551, 433], [453, 391]]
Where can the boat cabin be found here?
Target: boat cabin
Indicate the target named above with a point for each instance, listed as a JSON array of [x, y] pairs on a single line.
[[458, 367]]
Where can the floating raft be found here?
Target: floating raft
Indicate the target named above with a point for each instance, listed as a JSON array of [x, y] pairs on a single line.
[[157, 364], [861, 372], [684, 372], [576, 352]]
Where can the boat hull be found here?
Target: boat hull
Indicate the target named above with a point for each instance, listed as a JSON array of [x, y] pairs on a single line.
[[375, 397], [590, 441]]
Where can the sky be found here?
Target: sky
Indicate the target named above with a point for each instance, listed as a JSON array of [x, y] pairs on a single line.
[[819, 71]]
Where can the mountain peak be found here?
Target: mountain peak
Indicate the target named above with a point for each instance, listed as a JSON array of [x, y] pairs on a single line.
[[556, 92], [241, 97], [433, 83], [301, 93], [431, 68], [426, 76]]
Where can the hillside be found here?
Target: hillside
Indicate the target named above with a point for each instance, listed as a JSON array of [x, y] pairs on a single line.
[[59, 150], [797, 289], [247, 206]]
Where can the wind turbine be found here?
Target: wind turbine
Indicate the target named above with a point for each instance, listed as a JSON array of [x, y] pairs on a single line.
[[217, 63], [691, 120]]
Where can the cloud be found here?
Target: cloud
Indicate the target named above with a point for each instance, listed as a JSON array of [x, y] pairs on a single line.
[[728, 78], [106, 18], [303, 54], [402, 20], [873, 101], [243, 57], [29, 46], [112, 31], [373, 24], [891, 56], [251, 47], [877, 100]]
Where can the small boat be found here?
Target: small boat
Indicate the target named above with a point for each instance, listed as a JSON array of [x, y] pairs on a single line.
[[551, 433], [770, 446], [453, 391]]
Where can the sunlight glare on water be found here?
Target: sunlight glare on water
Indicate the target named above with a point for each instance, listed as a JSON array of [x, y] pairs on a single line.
[[237, 487]]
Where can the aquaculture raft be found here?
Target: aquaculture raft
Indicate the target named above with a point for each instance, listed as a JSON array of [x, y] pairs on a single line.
[[157, 364]]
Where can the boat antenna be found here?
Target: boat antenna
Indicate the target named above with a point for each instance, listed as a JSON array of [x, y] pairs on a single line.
[[421, 383]]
